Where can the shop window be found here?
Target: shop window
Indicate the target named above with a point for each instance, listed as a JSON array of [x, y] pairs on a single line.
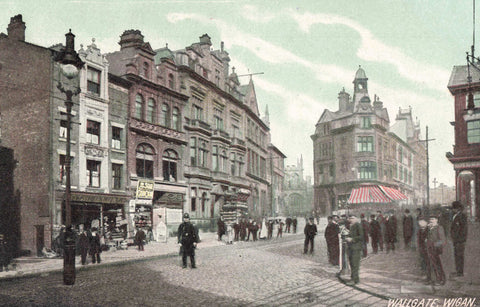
[[193, 203], [117, 176], [144, 161], [116, 137], [170, 159], [93, 173], [93, 81], [204, 200], [151, 111], [93, 132], [139, 107]]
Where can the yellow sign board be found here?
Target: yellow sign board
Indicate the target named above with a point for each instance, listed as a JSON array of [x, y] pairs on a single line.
[[145, 189]]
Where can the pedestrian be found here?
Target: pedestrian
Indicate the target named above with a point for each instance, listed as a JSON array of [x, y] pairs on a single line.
[[344, 227], [270, 229], [288, 224], [381, 220], [188, 239], [418, 215], [243, 229], [236, 229], [140, 238], [229, 233], [391, 232], [331, 236], [249, 229], [294, 224], [374, 233], [422, 244], [407, 228], [220, 228], [83, 244], [310, 232], [435, 244], [95, 247], [280, 229], [4, 254], [366, 231], [254, 230], [458, 232], [355, 246]]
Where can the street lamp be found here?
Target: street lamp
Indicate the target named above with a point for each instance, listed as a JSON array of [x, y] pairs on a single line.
[[70, 64]]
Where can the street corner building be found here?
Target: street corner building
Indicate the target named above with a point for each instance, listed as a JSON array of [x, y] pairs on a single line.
[[364, 163], [154, 133]]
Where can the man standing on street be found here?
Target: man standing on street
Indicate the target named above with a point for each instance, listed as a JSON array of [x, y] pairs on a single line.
[[294, 224], [188, 238], [374, 233], [458, 231], [407, 228], [140, 238], [310, 233], [355, 246], [366, 231], [331, 236], [435, 244]]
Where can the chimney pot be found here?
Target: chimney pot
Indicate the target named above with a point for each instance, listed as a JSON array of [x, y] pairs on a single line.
[[16, 28]]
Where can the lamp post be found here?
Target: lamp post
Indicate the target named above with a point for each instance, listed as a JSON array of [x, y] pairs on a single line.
[[70, 64]]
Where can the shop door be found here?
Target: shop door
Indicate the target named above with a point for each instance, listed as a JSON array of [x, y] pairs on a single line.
[[39, 238]]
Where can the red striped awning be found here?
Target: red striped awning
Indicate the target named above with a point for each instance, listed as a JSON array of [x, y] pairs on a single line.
[[392, 193], [368, 194]]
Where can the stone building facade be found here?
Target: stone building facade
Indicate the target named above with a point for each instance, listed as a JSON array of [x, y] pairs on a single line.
[[298, 191], [356, 147]]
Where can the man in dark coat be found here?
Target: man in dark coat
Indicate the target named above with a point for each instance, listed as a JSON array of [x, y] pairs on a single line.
[[355, 246], [294, 224], [374, 233], [4, 254], [140, 238], [83, 244], [458, 232], [366, 231], [407, 228], [435, 243], [95, 247], [331, 236], [270, 229], [220, 228], [381, 220], [391, 232], [188, 239], [236, 230], [288, 223], [310, 232]]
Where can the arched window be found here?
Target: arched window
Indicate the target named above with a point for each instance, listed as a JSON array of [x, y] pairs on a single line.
[[151, 111], [144, 156], [223, 161], [145, 70], [171, 81], [176, 119], [169, 163], [139, 106], [164, 117]]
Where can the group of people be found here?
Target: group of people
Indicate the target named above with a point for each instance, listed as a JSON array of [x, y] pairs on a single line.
[[351, 236], [243, 229]]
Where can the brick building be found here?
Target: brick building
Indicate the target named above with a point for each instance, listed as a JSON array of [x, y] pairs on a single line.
[[466, 151], [359, 158]]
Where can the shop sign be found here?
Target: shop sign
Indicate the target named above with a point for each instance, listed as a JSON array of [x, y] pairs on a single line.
[[461, 165], [145, 189], [131, 205]]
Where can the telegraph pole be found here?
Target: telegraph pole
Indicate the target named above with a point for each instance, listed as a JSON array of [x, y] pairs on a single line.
[[427, 140]]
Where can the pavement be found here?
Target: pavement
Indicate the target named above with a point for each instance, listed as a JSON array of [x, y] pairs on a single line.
[[398, 274]]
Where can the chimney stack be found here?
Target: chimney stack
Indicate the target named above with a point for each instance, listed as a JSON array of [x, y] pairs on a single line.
[[16, 28]]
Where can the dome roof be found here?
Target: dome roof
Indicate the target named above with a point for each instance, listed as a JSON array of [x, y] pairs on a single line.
[[360, 74]]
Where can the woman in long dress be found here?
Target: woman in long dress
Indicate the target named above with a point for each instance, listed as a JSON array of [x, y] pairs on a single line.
[[263, 230]]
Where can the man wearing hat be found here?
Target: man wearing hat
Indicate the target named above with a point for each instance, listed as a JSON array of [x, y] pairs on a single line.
[[458, 231], [355, 247], [435, 244], [310, 233], [188, 239]]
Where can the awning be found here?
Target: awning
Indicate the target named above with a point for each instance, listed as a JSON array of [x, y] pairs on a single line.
[[367, 194], [392, 193]]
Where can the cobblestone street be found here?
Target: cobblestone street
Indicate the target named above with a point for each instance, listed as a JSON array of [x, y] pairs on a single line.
[[271, 273]]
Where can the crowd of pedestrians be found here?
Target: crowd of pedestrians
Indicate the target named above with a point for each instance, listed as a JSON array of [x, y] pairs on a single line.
[[347, 239]]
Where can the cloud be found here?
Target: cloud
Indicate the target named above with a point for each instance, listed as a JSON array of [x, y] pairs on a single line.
[[372, 49], [253, 13]]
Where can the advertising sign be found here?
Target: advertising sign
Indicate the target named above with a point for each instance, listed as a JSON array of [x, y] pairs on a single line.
[[145, 189]]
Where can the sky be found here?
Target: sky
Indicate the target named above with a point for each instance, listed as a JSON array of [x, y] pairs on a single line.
[[307, 51]]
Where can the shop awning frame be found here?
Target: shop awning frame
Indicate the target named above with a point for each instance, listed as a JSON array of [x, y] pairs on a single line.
[[375, 194]]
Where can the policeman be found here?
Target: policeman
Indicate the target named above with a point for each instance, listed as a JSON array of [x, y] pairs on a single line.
[[188, 239]]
